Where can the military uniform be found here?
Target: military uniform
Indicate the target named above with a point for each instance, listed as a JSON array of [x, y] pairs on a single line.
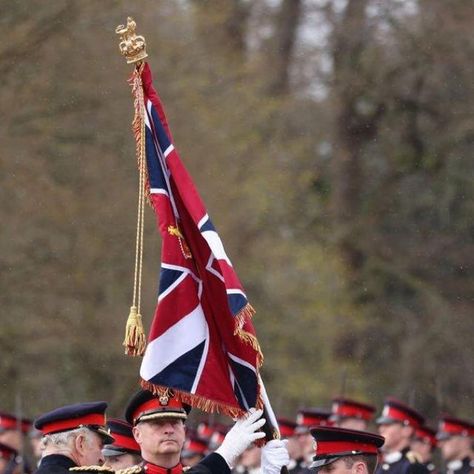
[[431, 467], [427, 437], [81, 415], [401, 462], [464, 466], [450, 426], [334, 443], [145, 406], [55, 464], [404, 461], [211, 464]]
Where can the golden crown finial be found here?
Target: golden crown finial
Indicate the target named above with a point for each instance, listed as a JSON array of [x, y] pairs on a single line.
[[131, 46]]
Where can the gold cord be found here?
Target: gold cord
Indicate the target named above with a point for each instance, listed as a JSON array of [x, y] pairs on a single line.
[[135, 340]]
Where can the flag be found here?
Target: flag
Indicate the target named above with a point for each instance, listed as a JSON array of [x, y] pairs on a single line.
[[202, 343]]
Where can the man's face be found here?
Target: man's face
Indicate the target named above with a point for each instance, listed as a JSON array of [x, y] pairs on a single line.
[[160, 436], [306, 442], [454, 447], [353, 424], [422, 448], [120, 462], [90, 449], [13, 438], [340, 467], [395, 436], [294, 448]]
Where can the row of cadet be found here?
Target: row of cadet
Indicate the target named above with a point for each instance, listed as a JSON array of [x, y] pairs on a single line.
[[153, 438]]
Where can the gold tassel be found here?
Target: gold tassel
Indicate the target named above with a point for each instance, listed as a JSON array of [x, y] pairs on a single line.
[[135, 340]]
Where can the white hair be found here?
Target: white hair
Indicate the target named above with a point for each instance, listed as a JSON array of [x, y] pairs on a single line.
[[63, 438]]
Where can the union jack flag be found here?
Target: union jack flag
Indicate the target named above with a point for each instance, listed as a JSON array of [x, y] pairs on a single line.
[[201, 343]]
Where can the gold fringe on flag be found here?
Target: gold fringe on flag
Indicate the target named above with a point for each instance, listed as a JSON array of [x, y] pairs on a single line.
[[199, 402], [244, 315]]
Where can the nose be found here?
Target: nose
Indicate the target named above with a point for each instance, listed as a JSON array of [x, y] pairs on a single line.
[[101, 459], [168, 427]]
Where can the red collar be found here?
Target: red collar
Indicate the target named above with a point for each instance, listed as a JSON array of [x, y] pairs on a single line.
[[154, 469]]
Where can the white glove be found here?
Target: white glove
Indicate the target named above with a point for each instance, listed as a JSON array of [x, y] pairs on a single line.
[[241, 436], [274, 456]]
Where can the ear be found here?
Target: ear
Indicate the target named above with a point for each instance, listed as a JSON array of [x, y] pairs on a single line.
[[80, 443], [359, 467], [137, 434]]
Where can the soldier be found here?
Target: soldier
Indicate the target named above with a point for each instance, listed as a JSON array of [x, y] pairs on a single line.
[[249, 461], [351, 414], [343, 451], [397, 425], [13, 430], [288, 432], [195, 449], [158, 427], [13, 433], [124, 451], [218, 435], [8, 464], [424, 444], [205, 430], [455, 437], [73, 436], [305, 419]]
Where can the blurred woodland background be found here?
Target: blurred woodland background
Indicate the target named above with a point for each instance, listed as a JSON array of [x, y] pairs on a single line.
[[332, 143]]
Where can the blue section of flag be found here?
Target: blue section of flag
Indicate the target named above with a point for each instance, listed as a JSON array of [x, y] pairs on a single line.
[[237, 301], [167, 278], [208, 225], [163, 139], [155, 172], [181, 373], [248, 383]]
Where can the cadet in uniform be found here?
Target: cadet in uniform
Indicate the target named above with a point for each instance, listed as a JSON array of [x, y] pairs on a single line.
[[73, 436], [195, 449], [288, 432], [455, 438], [397, 425], [424, 444], [124, 451], [344, 451], [305, 419], [13, 433], [351, 414], [8, 455]]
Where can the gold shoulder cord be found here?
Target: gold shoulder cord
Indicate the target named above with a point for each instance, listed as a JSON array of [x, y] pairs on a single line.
[[131, 470], [91, 469]]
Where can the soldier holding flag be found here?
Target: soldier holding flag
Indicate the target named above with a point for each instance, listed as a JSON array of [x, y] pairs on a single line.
[[159, 429]]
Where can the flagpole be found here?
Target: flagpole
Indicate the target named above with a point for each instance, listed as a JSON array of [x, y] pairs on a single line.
[[270, 428]]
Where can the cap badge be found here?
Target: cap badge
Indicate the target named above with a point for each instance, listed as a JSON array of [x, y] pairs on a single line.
[[164, 399]]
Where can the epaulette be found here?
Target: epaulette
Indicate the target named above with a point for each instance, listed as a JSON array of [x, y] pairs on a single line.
[[131, 470], [413, 457], [102, 469]]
